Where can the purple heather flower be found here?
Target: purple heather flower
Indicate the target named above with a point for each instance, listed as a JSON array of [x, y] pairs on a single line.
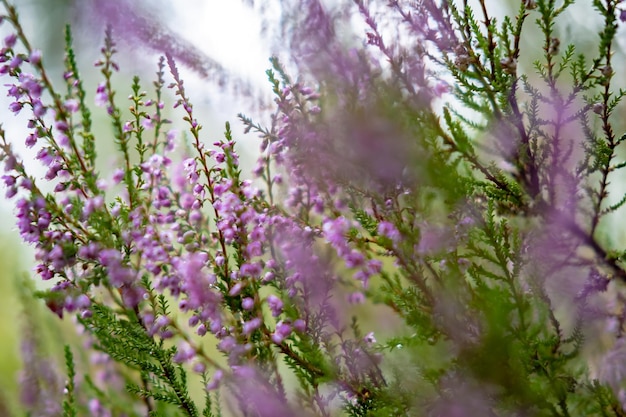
[[102, 98], [227, 344], [335, 231], [110, 257], [92, 204], [16, 61], [118, 176], [252, 325], [432, 240], [236, 289], [196, 282], [16, 107], [199, 367], [10, 163], [9, 41], [195, 217], [259, 396], [41, 386], [11, 192], [31, 140], [102, 184], [215, 380], [90, 251], [96, 409], [35, 57], [147, 123], [14, 91], [72, 105], [159, 325], [9, 180], [39, 110], [62, 126], [282, 331], [30, 84], [275, 304], [184, 353], [252, 269], [388, 230], [26, 183], [299, 325], [221, 188], [354, 258], [356, 298], [247, 303], [46, 156], [53, 170], [171, 140], [441, 88]]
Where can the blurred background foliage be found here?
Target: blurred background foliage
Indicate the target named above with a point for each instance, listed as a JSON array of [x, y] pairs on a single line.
[[9, 313]]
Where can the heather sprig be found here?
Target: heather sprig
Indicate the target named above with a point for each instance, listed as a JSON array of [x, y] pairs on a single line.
[[425, 232]]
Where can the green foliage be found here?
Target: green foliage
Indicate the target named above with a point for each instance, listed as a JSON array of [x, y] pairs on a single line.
[[69, 403], [486, 256], [126, 341]]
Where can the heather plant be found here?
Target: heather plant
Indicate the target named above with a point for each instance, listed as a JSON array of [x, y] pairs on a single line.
[[429, 229]]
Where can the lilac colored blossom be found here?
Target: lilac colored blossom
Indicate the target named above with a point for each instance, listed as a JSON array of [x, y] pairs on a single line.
[[335, 232], [96, 409], [31, 140], [196, 282], [147, 123], [369, 338], [16, 107], [260, 396], [71, 105], [252, 325], [388, 230], [35, 57], [184, 353], [199, 367], [39, 110], [10, 40], [102, 98], [15, 62], [30, 85], [62, 126], [118, 176], [14, 91], [215, 380], [275, 304], [247, 303], [282, 331], [356, 298]]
